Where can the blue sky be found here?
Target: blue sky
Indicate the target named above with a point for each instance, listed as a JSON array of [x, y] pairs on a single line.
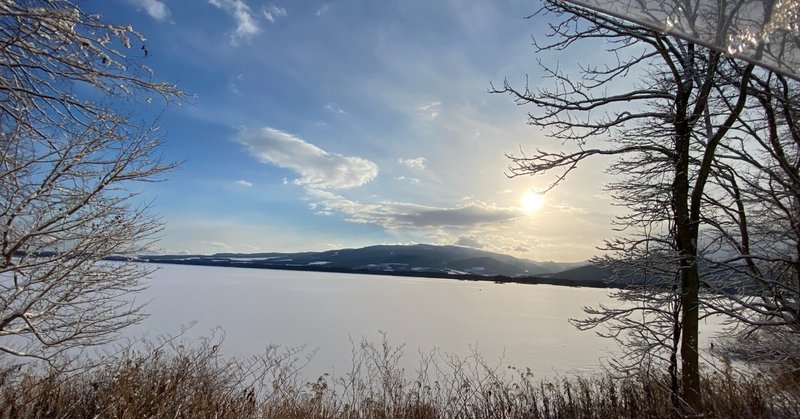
[[316, 125]]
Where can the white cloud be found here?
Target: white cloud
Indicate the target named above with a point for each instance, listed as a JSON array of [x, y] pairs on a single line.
[[235, 84], [332, 107], [244, 183], [417, 163], [395, 215], [505, 242], [155, 8], [246, 25], [469, 241], [430, 110], [566, 209], [273, 12], [219, 245], [318, 169], [410, 179], [325, 8]]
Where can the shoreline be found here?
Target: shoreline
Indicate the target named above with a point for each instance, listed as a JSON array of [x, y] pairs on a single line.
[[498, 279]]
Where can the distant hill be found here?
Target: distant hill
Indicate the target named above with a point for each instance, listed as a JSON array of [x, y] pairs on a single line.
[[588, 272], [419, 258]]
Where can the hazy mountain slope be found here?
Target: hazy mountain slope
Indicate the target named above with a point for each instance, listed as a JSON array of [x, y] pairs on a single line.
[[394, 258], [584, 273]]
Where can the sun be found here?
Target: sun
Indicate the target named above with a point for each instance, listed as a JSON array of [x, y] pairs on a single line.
[[532, 201]]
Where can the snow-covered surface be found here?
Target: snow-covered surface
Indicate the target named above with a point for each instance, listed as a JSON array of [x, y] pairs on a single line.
[[509, 324]]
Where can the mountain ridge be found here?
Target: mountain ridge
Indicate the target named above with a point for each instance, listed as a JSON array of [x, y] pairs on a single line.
[[438, 259]]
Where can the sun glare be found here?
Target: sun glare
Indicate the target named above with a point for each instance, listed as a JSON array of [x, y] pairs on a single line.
[[532, 201]]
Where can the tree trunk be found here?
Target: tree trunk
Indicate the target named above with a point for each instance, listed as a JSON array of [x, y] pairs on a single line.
[[690, 367], [673, 361], [686, 231]]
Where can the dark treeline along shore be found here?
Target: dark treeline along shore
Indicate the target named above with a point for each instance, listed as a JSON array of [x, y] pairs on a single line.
[[501, 279]]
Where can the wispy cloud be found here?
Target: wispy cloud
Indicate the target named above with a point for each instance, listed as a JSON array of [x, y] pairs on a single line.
[[235, 84], [155, 8], [430, 110], [501, 243], [468, 215], [416, 163], [246, 25], [317, 168], [325, 8], [567, 209], [395, 215], [244, 183], [469, 241], [273, 12], [218, 245], [332, 107], [409, 179]]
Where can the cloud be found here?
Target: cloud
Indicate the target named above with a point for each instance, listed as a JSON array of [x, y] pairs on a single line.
[[468, 215], [417, 163], [317, 168], [395, 215], [235, 83], [246, 25], [244, 183], [430, 111], [273, 12], [155, 8], [410, 179], [566, 209], [469, 241], [504, 242], [332, 107], [325, 8], [219, 245]]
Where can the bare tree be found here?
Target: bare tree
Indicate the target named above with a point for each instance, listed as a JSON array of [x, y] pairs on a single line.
[[73, 140], [753, 214], [665, 130], [647, 322]]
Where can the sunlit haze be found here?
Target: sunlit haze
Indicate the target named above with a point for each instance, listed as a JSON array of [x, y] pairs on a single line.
[[321, 125], [532, 201]]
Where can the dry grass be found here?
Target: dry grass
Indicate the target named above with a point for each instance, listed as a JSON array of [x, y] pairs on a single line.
[[168, 380]]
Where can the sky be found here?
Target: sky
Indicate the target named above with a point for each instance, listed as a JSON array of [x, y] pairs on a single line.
[[314, 125]]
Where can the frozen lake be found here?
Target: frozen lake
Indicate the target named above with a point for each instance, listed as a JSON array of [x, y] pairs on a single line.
[[511, 324]]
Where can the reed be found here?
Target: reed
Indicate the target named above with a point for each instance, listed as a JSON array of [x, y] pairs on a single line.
[[172, 380]]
